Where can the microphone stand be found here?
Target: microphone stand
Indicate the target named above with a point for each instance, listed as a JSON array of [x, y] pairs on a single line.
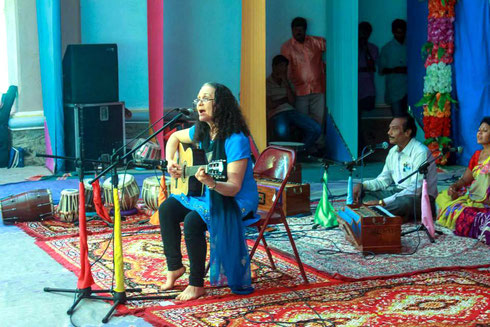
[[350, 167], [118, 294], [423, 169]]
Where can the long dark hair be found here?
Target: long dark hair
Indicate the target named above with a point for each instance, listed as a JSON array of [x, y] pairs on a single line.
[[227, 116]]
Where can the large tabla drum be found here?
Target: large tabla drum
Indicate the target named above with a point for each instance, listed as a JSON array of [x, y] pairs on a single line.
[[128, 191], [68, 206], [33, 205], [151, 190]]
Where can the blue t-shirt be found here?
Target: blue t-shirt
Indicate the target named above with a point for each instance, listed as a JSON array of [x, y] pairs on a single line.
[[237, 147]]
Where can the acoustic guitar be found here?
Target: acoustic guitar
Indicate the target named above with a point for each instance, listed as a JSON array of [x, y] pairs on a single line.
[[191, 160]]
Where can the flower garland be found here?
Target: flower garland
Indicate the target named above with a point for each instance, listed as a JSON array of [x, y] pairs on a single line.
[[437, 99]]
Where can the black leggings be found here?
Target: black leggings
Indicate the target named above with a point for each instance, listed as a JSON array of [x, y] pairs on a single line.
[[172, 213]]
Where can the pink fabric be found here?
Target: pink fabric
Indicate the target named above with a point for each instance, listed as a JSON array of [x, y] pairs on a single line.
[[306, 68], [427, 219], [85, 278], [155, 65]]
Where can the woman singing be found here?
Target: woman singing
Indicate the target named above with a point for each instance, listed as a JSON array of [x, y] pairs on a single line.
[[222, 133]]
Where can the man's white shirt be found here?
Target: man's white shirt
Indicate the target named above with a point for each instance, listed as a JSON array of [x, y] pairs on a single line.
[[400, 164]]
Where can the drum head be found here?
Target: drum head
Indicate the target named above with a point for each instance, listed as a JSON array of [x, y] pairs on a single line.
[[123, 180], [152, 181], [69, 191], [86, 183]]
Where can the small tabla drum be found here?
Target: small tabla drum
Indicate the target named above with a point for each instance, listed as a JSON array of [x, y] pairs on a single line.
[[148, 151], [128, 191], [151, 190], [68, 206], [33, 205], [89, 195]]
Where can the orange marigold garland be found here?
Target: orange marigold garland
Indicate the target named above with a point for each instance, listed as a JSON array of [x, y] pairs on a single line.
[[437, 98]]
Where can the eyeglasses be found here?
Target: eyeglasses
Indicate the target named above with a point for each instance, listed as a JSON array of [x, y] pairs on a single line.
[[204, 100]]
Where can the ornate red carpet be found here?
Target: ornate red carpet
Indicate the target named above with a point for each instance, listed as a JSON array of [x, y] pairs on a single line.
[[430, 299], [145, 266], [444, 298]]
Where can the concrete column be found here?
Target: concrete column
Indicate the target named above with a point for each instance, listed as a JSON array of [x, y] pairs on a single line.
[[26, 52]]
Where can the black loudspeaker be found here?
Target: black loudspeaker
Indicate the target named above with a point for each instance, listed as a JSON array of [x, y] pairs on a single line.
[[93, 131], [90, 73]]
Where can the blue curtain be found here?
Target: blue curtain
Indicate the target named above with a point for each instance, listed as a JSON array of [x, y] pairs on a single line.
[[417, 12], [49, 34], [471, 72]]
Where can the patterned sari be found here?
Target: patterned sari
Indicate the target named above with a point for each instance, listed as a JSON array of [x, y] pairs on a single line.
[[469, 215]]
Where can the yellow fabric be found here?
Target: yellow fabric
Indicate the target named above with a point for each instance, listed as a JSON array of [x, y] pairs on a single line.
[[253, 73], [452, 209], [162, 196], [445, 202], [118, 250]]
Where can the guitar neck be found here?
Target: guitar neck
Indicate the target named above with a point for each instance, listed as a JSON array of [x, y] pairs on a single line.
[[192, 170]]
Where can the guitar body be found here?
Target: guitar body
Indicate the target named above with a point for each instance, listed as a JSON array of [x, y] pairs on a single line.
[[188, 185]]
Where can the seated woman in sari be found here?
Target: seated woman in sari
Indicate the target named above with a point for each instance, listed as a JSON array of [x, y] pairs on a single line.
[[468, 213]]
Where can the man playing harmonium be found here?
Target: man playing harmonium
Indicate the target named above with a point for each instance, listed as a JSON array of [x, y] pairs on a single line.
[[403, 159]]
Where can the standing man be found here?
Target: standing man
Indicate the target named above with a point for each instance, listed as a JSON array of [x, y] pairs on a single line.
[[393, 65], [403, 159], [306, 70], [368, 54]]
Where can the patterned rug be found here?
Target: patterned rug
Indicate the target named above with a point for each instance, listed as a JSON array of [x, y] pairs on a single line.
[[145, 265], [457, 298], [49, 229], [329, 251]]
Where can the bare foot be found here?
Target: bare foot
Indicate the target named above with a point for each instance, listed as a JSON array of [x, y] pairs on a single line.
[[172, 276], [191, 293]]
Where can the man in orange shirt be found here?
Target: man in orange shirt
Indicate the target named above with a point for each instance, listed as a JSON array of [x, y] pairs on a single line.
[[306, 70]]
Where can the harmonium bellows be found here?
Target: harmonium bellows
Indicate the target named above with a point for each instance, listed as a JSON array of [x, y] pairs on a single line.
[[371, 229]]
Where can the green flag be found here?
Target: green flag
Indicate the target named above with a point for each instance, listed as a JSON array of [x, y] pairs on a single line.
[[325, 214]]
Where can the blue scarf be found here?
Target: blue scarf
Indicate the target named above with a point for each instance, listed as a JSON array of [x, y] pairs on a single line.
[[229, 258]]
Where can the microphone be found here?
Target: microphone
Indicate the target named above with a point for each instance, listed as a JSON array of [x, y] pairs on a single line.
[[185, 111], [383, 145], [457, 150]]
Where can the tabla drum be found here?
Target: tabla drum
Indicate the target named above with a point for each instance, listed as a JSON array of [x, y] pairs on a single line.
[[89, 195], [128, 191], [151, 190], [33, 205], [148, 151], [68, 207]]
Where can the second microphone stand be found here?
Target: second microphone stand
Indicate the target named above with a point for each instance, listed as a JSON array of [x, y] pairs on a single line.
[[423, 169], [119, 293]]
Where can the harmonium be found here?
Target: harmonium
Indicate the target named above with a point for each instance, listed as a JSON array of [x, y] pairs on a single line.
[[295, 198], [371, 229]]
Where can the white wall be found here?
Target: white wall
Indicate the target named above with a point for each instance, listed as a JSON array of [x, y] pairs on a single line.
[[23, 54], [4, 83], [380, 14]]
